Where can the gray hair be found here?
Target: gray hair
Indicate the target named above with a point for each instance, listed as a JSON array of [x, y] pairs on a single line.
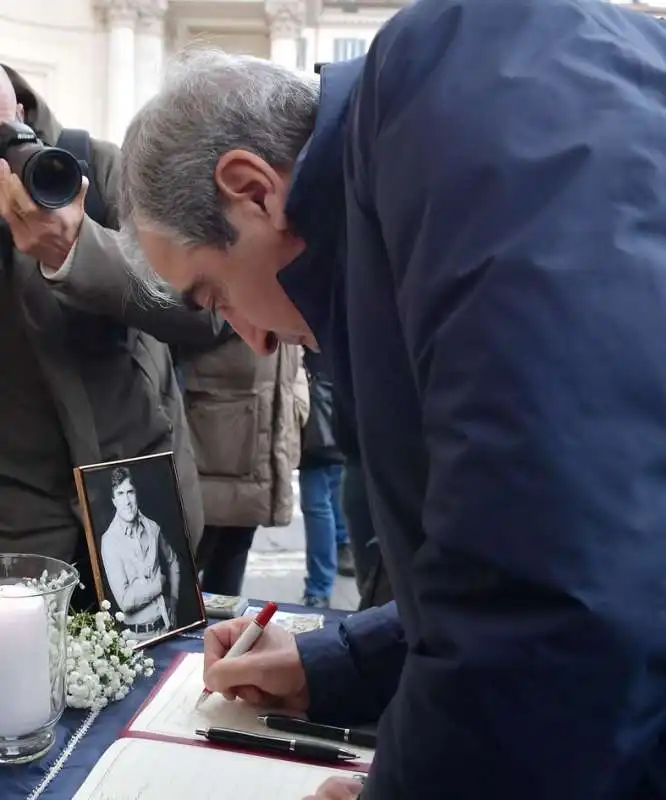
[[210, 103]]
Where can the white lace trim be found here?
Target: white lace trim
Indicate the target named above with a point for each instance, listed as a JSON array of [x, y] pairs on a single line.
[[56, 768]]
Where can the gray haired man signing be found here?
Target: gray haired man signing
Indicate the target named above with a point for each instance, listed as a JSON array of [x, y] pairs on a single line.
[[470, 225], [141, 567]]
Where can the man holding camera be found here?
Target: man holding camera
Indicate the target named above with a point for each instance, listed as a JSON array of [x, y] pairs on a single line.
[[83, 378]]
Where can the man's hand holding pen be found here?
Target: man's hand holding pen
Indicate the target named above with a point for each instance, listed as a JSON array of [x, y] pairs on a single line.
[[270, 674]]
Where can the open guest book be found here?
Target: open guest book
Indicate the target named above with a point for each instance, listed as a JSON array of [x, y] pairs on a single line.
[[159, 756]]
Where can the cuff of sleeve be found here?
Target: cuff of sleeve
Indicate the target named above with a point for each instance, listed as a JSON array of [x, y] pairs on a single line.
[[334, 684], [59, 275], [353, 669]]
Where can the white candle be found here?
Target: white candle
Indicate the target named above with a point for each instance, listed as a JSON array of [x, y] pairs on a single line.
[[25, 684]]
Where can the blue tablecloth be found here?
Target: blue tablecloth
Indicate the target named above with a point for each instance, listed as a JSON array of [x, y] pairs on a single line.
[[81, 739]]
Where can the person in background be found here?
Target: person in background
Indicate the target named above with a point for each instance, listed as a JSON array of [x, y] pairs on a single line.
[[84, 377], [320, 476], [245, 415]]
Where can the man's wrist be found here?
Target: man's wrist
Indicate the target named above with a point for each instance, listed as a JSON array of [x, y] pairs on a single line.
[[59, 274], [330, 674]]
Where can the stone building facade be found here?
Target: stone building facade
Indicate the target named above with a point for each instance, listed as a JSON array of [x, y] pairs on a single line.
[[97, 61]]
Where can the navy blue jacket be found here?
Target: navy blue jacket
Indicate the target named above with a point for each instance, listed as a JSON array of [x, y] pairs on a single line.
[[484, 202]]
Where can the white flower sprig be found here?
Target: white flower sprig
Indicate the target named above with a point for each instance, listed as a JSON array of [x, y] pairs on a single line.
[[101, 662], [49, 583]]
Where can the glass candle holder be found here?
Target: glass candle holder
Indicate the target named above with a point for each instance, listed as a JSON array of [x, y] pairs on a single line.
[[35, 593]]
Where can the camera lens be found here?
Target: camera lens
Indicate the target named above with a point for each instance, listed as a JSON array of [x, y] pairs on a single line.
[[52, 177]]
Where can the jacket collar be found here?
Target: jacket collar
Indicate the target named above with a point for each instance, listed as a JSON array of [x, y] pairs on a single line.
[[316, 204], [316, 194], [130, 528]]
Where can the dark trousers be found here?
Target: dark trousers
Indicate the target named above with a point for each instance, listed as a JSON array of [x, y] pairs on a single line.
[[222, 556], [359, 523]]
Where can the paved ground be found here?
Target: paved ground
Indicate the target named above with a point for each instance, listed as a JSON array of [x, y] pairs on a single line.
[[276, 566]]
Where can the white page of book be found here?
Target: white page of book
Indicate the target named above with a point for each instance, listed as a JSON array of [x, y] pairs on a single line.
[[144, 769], [172, 711]]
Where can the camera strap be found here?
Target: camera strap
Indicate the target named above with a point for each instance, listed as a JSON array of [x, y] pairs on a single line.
[[79, 144]]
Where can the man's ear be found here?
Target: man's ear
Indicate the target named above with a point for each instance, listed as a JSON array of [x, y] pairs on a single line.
[[20, 112], [243, 177], [275, 205], [239, 179]]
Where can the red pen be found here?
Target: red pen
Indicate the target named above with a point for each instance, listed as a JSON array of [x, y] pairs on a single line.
[[245, 641]]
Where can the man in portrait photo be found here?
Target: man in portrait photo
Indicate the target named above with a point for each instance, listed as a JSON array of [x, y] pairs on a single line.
[[141, 567]]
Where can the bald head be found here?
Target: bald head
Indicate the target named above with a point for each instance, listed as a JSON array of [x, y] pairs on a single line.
[[8, 103]]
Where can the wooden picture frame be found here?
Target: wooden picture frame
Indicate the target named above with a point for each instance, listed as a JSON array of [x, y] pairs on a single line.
[[139, 544]]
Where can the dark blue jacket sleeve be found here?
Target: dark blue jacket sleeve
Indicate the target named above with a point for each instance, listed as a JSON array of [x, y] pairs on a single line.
[[353, 668], [512, 162]]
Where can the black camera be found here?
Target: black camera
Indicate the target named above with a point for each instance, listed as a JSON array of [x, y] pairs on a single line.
[[51, 176]]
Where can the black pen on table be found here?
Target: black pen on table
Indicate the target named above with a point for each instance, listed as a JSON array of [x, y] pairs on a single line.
[[303, 727], [257, 742]]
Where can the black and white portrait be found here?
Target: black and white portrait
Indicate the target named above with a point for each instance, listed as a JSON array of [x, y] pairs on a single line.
[[139, 546]]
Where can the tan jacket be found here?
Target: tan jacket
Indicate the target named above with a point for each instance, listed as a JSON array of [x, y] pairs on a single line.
[[246, 414], [125, 403]]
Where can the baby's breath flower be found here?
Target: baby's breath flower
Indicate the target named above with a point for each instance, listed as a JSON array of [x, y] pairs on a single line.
[[102, 664]]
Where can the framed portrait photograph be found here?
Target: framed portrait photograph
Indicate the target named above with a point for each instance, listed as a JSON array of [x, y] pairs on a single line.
[[142, 560]]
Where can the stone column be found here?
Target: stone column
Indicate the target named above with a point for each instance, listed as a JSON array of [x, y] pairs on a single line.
[[120, 17], [149, 50], [285, 23]]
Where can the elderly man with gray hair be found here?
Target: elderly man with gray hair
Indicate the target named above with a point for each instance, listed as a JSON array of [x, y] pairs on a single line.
[[469, 223]]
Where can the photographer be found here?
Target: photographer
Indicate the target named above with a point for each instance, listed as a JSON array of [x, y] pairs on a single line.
[[84, 380]]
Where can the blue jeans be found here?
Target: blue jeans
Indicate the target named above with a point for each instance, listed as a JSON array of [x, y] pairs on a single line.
[[325, 528]]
